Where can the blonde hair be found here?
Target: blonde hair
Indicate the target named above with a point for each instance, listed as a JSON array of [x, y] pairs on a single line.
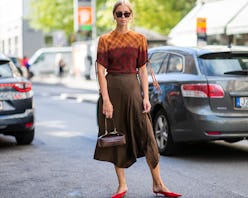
[[123, 2]]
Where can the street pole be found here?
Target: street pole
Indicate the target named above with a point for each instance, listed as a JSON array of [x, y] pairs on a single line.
[[75, 7], [93, 5]]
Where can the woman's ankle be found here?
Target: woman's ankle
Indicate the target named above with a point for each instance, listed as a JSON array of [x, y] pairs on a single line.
[[122, 188], [160, 187]]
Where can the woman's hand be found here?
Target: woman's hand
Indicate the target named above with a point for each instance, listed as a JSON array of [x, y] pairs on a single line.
[[108, 109], [146, 105]]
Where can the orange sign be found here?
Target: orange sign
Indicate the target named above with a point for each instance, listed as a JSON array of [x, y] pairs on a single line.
[[84, 15], [201, 25]]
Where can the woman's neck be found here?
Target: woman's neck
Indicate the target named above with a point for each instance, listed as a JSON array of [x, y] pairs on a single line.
[[122, 29]]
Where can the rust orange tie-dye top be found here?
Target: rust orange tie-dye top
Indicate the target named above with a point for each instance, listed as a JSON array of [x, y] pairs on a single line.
[[122, 52]]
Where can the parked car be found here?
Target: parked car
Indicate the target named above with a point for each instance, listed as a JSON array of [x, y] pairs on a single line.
[[16, 103], [204, 95]]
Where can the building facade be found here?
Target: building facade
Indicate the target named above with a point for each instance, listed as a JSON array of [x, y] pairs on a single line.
[[17, 38]]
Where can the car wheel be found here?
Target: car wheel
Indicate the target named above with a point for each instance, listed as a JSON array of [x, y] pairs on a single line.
[[162, 134], [25, 137]]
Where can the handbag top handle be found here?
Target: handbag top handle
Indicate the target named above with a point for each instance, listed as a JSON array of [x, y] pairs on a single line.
[[106, 127]]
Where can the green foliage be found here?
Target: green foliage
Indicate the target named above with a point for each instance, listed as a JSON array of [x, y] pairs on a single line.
[[157, 15], [52, 15]]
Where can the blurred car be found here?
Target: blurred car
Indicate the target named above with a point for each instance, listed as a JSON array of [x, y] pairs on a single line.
[[23, 70], [204, 95], [16, 103], [45, 60]]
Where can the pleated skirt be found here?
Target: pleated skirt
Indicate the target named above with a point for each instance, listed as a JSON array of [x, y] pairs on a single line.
[[126, 97]]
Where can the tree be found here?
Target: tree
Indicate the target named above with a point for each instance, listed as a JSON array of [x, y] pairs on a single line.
[[157, 15], [52, 15]]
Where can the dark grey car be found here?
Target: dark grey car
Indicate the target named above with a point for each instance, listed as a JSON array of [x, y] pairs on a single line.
[[16, 103], [204, 95]]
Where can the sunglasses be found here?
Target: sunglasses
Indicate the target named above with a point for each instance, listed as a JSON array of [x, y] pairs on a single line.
[[120, 14]]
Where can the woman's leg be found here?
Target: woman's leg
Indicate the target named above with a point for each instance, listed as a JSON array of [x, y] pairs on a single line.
[[158, 184], [121, 179]]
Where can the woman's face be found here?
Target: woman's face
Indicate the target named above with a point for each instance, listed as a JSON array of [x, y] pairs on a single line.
[[122, 15]]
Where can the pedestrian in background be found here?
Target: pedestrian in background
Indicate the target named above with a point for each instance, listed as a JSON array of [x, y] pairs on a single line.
[[123, 54], [25, 63], [59, 61]]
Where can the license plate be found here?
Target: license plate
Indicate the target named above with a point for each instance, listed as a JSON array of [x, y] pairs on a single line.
[[241, 102], [1, 105]]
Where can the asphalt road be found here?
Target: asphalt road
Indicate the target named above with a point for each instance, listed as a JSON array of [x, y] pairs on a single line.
[[59, 163]]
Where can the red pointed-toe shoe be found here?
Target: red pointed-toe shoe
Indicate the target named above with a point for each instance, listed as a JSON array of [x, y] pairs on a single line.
[[119, 195], [167, 194]]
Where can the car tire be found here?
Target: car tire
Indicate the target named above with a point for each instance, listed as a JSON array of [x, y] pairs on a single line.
[[162, 133], [25, 137]]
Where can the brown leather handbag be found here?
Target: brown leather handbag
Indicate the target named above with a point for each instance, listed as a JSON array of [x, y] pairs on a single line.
[[112, 138]]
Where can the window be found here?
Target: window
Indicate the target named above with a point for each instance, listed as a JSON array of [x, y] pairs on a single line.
[[16, 45], [3, 47], [5, 71], [221, 64], [175, 63], [157, 61]]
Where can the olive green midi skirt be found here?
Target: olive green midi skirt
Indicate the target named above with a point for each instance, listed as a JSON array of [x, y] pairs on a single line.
[[126, 97]]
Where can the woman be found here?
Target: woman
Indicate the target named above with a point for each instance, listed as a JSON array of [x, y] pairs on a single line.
[[123, 53]]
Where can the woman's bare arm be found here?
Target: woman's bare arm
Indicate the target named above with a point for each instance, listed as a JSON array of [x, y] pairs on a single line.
[[107, 105], [144, 84]]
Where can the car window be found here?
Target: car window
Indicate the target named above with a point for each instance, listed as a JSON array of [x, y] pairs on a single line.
[[220, 65], [175, 63], [5, 70], [164, 64], [16, 61], [157, 60], [15, 71]]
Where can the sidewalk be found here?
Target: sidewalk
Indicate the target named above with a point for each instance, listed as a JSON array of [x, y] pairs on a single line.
[[72, 82]]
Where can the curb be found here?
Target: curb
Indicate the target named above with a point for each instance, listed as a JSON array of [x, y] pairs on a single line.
[[92, 98], [70, 82]]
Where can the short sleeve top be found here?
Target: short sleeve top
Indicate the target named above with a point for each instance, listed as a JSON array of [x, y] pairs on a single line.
[[122, 52]]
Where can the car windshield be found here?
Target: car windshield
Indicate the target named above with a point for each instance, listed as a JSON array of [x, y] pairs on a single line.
[[224, 63], [5, 70]]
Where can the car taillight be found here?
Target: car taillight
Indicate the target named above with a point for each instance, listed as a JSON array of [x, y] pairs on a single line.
[[22, 87], [29, 124], [202, 90], [213, 133]]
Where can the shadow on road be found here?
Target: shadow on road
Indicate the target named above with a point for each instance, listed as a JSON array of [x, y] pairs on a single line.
[[218, 150], [7, 142]]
